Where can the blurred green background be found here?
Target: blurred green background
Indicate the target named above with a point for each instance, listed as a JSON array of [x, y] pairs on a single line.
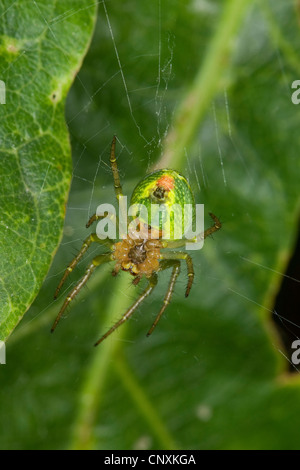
[[215, 76]]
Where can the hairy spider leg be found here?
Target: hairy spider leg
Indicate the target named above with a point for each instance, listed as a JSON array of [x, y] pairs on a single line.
[[175, 273], [214, 228], [115, 170], [97, 261], [87, 242], [180, 243], [95, 217], [152, 283], [117, 182], [173, 259], [181, 255]]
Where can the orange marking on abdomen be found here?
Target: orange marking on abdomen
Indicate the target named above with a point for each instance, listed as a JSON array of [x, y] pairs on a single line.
[[166, 182]]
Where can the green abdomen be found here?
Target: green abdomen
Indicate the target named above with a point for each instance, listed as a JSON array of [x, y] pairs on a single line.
[[168, 200]]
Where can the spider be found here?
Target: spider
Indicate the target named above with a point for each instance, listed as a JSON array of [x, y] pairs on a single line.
[[143, 256]]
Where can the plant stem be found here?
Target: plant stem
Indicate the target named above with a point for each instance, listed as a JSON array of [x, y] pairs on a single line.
[[142, 402], [91, 394], [205, 85]]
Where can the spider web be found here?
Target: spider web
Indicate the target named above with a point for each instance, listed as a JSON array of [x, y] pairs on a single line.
[[140, 83], [88, 171]]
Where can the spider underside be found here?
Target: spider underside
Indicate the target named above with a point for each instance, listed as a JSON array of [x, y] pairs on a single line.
[[140, 257]]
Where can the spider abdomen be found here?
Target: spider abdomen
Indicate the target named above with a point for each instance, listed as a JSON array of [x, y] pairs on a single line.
[[165, 194]]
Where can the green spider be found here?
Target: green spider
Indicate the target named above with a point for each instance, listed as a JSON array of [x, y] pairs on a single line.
[[142, 256]]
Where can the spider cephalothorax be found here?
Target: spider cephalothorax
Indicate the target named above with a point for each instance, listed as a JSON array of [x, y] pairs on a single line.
[[143, 252], [139, 257]]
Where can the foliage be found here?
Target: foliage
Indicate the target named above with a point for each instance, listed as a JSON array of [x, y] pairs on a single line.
[[198, 86]]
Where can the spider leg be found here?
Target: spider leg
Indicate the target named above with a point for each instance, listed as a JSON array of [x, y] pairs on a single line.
[[214, 228], [181, 255], [100, 259], [92, 219], [95, 217], [115, 170], [87, 242], [116, 177], [180, 243], [175, 273], [132, 309]]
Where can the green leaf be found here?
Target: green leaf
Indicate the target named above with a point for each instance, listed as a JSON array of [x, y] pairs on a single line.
[[42, 44], [205, 88]]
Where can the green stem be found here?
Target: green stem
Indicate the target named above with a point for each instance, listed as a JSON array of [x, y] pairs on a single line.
[[206, 84], [147, 409], [91, 394], [278, 39], [93, 387]]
